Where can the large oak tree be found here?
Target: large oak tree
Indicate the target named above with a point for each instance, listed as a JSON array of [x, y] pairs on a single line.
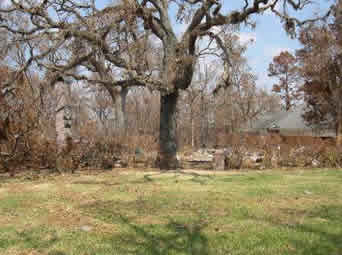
[[74, 37]]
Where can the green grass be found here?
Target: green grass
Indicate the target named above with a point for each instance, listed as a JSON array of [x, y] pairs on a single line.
[[267, 212]]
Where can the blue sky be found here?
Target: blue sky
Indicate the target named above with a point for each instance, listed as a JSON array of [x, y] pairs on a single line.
[[269, 37]]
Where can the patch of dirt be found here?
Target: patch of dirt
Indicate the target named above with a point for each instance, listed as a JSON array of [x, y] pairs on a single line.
[[68, 217], [63, 216], [40, 187], [13, 251], [8, 220]]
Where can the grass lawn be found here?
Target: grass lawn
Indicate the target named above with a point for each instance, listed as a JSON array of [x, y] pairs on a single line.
[[132, 212]]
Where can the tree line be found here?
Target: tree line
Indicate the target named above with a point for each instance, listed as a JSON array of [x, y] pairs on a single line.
[[128, 57], [313, 74]]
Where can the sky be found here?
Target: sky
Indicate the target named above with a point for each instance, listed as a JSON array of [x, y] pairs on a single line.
[[269, 37]]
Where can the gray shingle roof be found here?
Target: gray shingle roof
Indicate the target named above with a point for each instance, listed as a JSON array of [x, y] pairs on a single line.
[[288, 122]]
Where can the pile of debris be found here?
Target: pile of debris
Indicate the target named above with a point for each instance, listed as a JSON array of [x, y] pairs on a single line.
[[223, 159], [238, 157], [201, 159]]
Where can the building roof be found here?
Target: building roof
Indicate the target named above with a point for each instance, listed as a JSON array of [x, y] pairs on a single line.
[[288, 122]]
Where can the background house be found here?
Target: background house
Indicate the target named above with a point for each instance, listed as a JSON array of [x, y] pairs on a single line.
[[288, 123]]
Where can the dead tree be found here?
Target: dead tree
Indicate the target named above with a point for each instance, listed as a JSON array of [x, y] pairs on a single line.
[[115, 40]]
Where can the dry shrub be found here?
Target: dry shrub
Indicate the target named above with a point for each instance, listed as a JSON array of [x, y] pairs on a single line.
[[331, 156], [306, 152], [279, 150], [235, 159], [141, 149], [42, 151], [19, 118], [96, 152], [27, 151], [147, 143], [105, 152]]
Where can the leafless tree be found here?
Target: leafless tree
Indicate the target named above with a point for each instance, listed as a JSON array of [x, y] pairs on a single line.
[[72, 38]]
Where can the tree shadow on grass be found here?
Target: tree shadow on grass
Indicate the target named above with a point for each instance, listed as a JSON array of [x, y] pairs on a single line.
[[38, 239], [197, 178], [173, 238], [327, 243], [143, 231], [325, 236], [329, 233], [195, 174], [153, 177]]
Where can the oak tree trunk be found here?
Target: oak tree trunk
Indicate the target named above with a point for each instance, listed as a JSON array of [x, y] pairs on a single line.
[[167, 134], [123, 95], [192, 132], [339, 134], [339, 125], [339, 111]]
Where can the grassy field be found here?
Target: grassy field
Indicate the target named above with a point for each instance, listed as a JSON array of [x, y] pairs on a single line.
[[128, 212]]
